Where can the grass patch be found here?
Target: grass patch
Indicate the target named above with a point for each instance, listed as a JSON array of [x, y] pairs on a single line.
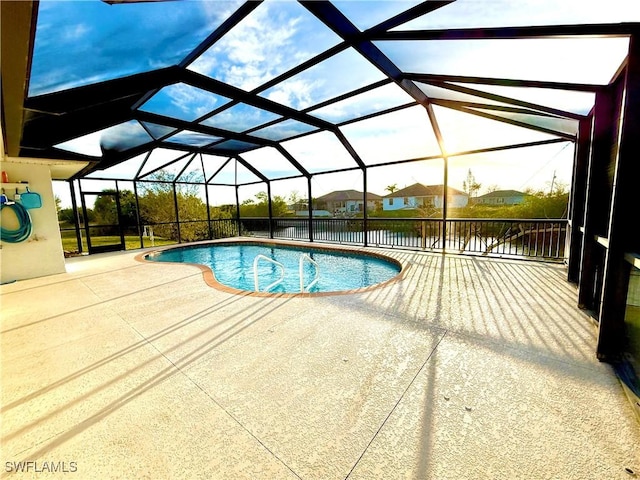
[[131, 242]]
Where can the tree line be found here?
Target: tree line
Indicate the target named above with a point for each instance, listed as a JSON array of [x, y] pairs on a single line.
[[156, 206]]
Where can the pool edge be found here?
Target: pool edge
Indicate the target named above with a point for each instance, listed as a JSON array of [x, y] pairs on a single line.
[[210, 279]]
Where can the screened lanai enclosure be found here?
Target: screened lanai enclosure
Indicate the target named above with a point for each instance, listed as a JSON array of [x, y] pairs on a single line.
[[283, 97], [220, 103]]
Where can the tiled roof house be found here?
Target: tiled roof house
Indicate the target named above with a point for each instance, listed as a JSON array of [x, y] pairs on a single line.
[[419, 195]]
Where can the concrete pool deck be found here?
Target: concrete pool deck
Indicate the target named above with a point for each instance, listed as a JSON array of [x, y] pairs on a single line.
[[466, 368]]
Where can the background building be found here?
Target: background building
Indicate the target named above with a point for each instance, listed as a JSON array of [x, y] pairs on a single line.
[[419, 195]]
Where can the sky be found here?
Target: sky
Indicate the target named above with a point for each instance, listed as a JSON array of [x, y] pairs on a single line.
[[82, 42]]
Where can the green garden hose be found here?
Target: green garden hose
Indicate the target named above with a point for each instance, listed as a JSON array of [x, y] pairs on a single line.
[[23, 231]]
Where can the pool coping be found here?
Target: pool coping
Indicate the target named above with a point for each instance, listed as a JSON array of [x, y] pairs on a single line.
[[210, 279]]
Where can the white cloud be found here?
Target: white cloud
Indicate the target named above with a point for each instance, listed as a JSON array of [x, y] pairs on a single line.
[[217, 11], [73, 33], [253, 51], [295, 93], [193, 101], [268, 42]]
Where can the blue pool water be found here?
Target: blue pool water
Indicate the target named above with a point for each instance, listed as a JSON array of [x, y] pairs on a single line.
[[232, 265]]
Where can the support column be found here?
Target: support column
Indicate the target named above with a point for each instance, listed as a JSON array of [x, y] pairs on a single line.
[[365, 227], [237, 209], [310, 209], [598, 195], [176, 206], [623, 215], [578, 199], [76, 215], [206, 198], [445, 188], [270, 207], [119, 215], [138, 222], [445, 203], [85, 217]]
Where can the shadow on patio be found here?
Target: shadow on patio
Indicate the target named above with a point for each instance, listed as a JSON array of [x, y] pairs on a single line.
[[466, 368]]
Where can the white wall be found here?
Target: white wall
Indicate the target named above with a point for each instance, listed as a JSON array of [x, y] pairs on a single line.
[[42, 253], [398, 203]]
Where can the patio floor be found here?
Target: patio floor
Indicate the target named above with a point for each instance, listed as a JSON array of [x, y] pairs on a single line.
[[467, 368]]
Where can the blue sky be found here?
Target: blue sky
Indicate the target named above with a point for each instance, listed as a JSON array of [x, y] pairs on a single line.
[[82, 42], [502, 13], [271, 40]]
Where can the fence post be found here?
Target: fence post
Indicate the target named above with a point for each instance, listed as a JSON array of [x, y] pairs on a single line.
[[270, 207], [365, 226], [310, 209], [237, 211], [76, 213], [175, 204]]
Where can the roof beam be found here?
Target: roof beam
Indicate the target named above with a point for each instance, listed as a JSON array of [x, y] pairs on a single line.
[[237, 16], [603, 29], [43, 130], [302, 66], [509, 100], [538, 143], [472, 152], [252, 169], [377, 114], [292, 160], [497, 108], [17, 32], [334, 19], [430, 78], [516, 123], [201, 81], [56, 154], [200, 128], [345, 143], [220, 168], [410, 14], [353, 93], [133, 87], [164, 165], [115, 158]]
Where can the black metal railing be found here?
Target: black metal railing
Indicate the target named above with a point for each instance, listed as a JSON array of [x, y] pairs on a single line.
[[528, 238], [508, 237], [495, 237], [224, 228]]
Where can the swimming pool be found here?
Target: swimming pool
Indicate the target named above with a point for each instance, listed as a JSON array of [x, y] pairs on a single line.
[[278, 268]]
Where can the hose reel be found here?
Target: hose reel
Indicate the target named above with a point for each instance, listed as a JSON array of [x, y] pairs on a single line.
[[23, 231]]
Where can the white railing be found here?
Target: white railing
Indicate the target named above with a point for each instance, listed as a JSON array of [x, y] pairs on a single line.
[[256, 282], [306, 257]]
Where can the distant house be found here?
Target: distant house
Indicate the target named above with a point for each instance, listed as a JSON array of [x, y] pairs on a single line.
[[419, 195], [501, 197], [347, 202]]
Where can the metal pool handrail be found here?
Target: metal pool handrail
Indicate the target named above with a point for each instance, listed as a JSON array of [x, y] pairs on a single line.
[[306, 257], [256, 282]]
